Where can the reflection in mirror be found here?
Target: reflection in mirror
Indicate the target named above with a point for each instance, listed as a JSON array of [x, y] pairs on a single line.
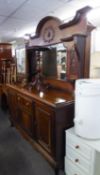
[[51, 61], [21, 60], [61, 62]]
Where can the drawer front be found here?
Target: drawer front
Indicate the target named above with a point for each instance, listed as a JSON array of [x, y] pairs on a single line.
[[25, 102], [78, 160], [71, 169], [79, 147]]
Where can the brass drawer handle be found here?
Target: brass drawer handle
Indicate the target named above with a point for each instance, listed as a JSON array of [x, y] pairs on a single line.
[[76, 160], [77, 146], [18, 98]]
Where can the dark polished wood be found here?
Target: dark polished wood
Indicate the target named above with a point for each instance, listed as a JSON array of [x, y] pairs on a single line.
[[5, 51], [5, 63], [3, 97], [5, 54], [79, 14], [44, 122], [25, 113], [43, 116], [12, 101], [74, 34]]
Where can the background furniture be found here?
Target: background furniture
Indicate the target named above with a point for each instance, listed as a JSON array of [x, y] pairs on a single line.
[[7, 72], [7, 64], [5, 51]]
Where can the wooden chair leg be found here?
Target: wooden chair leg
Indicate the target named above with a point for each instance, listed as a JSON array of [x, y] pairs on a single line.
[[11, 123], [56, 171]]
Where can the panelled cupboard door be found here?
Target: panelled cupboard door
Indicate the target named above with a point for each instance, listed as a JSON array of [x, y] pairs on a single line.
[[25, 113], [44, 126], [25, 120]]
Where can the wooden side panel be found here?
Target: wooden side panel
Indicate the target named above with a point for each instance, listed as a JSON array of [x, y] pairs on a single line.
[[12, 102]]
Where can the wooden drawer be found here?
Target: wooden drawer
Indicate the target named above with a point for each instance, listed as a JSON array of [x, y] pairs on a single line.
[[78, 160], [71, 169], [25, 102], [78, 146]]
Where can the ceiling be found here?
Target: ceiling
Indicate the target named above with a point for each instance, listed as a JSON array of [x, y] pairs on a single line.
[[20, 17]]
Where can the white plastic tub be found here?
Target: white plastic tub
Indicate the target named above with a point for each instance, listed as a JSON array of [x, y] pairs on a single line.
[[87, 108]]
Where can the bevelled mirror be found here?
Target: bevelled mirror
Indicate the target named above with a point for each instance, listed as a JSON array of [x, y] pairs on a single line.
[[21, 60], [50, 61], [54, 62]]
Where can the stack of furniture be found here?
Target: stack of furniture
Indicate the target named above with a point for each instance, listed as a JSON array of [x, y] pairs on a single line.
[[7, 65], [7, 71]]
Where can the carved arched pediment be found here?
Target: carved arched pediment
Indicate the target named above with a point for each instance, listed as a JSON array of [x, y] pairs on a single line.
[[47, 31], [51, 30]]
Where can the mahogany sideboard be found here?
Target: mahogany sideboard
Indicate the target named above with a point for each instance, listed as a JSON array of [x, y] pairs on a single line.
[[43, 117]]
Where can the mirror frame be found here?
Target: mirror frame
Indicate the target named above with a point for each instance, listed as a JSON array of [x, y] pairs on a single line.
[[77, 30]]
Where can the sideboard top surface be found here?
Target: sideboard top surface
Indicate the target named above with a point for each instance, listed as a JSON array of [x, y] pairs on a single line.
[[52, 97]]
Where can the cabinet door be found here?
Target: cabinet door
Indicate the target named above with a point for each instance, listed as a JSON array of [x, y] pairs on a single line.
[[44, 129], [25, 120], [25, 113]]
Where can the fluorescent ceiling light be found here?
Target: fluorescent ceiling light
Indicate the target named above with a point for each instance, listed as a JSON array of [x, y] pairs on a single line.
[[13, 42], [27, 36], [26, 31]]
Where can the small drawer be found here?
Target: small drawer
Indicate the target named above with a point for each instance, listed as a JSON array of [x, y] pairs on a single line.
[[71, 169], [25, 102], [77, 145], [78, 160], [20, 99], [28, 105]]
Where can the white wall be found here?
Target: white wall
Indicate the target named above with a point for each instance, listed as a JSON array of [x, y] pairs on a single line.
[[95, 54]]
